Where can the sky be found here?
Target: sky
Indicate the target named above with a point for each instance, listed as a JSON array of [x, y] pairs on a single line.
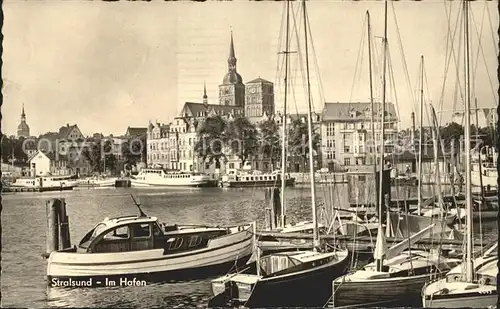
[[109, 65]]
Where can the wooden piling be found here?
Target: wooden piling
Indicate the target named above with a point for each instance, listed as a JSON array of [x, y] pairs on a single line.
[[64, 238], [276, 206], [52, 225]]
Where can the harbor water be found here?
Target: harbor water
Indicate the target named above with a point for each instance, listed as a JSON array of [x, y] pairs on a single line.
[[24, 238]]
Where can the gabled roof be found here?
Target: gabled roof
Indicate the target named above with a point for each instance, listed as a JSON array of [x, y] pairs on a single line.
[[50, 155], [136, 131], [66, 130], [342, 111], [259, 80], [192, 109]]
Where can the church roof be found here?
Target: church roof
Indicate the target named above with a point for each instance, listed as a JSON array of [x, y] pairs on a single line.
[[136, 131], [23, 126], [192, 109], [232, 78], [259, 80]]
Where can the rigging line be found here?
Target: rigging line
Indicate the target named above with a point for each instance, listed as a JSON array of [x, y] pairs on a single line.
[[320, 86], [360, 52], [480, 48], [280, 38], [391, 77], [491, 28], [403, 56], [458, 87], [475, 65], [299, 58], [447, 57]]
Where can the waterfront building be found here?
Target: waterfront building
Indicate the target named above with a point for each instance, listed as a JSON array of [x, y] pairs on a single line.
[[158, 154], [346, 133], [23, 130], [44, 164]]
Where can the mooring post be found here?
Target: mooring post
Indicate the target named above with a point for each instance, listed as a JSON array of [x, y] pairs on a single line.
[[52, 226], [64, 239], [272, 215], [277, 207]]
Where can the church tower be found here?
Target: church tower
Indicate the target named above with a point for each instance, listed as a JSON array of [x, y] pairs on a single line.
[[205, 97], [232, 89], [23, 130]]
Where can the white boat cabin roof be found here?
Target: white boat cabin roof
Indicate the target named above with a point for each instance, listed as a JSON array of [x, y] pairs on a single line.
[[113, 222]]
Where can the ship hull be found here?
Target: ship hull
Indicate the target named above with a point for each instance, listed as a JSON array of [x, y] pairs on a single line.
[[221, 255], [401, 292]]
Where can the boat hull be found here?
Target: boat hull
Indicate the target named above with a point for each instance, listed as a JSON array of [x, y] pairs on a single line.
[[219, 257], [462, 300], [486, 180], [309, 288], [193, 184], [402, 291], [256, 183]]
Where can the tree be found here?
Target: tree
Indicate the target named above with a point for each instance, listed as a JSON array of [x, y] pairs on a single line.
[[298, 140], [451, 134], [134, 150], [109, 157], [270, 142], [211, 139], [13, 148], [93, 155], [241, 137]]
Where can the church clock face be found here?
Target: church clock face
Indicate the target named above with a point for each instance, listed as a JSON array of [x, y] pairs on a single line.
[[226, 91], [253, 90]]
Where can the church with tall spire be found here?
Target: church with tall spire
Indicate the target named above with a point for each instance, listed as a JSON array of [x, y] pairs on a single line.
[[23, 130], [232, 89]]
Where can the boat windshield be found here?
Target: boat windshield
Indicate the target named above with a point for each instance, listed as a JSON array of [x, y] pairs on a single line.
[[98, 230]]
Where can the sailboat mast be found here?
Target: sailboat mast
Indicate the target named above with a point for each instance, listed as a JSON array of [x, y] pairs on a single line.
[[379, 255], [479, 159], [382, 120], [468, 193], [283, 121], [420, 137], [372, 120], [309, 133]]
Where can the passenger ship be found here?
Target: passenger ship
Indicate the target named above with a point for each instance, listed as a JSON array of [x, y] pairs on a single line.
[[236, 179], [46, 183], [148, 177], [488, 173]]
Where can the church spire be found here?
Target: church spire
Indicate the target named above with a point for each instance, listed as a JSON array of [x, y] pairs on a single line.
[[23, 115], [205, 97], [232, 58]]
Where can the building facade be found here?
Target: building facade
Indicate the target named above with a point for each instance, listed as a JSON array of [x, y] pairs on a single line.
[[174, 148], [259, 98], [346, 133]]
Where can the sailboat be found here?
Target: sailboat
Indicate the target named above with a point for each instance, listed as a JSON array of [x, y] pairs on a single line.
[[473, 283], [396, 276], [279, 277], [271, 243]]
